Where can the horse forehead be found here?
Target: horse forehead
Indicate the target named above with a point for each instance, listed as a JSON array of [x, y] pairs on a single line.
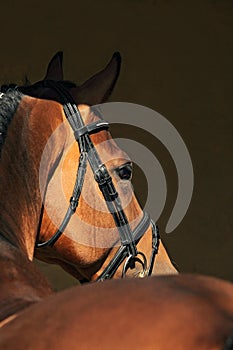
[[103, 141], [83, 107], [85, 111], [107, 146]]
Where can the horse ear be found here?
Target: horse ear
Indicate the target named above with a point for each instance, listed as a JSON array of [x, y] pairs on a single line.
[[55, 70], [98, 88]]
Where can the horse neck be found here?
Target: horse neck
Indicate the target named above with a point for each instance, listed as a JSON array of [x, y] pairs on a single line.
[[20, 205], [20, 195], [20, 282]]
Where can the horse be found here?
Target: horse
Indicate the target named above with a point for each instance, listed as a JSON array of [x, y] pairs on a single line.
[[30, 313], [27, 123], [160, 312], [76, 251]]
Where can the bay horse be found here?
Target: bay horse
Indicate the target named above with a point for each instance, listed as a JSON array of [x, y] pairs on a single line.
[[29, 163], [196, 312], [163, 312]]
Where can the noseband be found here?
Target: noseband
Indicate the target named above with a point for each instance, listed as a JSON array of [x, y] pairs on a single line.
[[129, 238]]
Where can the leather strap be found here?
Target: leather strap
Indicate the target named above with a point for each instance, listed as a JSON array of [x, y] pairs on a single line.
[[91, 129], [129, 238]]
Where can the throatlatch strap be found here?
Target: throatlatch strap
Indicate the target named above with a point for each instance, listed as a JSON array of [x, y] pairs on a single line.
[[74, 199]]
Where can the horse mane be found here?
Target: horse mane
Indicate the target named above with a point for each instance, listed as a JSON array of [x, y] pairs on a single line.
[[9, 102]]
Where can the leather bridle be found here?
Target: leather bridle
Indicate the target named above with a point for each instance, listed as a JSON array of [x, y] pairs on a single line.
[[88, 153]]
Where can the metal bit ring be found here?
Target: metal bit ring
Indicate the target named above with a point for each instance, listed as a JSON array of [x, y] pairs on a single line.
[[134, 259]]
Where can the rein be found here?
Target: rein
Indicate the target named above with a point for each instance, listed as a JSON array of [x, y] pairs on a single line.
[[129, 239]]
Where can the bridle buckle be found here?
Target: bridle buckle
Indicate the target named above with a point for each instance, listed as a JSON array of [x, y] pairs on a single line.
[[130, 264]]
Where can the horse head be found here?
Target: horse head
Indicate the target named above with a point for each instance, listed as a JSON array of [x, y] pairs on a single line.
[[47, 157]]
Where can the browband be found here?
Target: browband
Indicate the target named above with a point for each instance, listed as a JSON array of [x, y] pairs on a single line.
[[91, 128]]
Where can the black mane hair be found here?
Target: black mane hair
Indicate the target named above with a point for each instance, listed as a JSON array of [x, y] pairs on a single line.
[[8, 105], [11, 95]]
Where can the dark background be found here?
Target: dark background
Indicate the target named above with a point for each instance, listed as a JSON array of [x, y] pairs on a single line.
[[177, 60]]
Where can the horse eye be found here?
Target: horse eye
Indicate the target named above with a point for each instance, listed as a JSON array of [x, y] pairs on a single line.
[[125, 171]]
